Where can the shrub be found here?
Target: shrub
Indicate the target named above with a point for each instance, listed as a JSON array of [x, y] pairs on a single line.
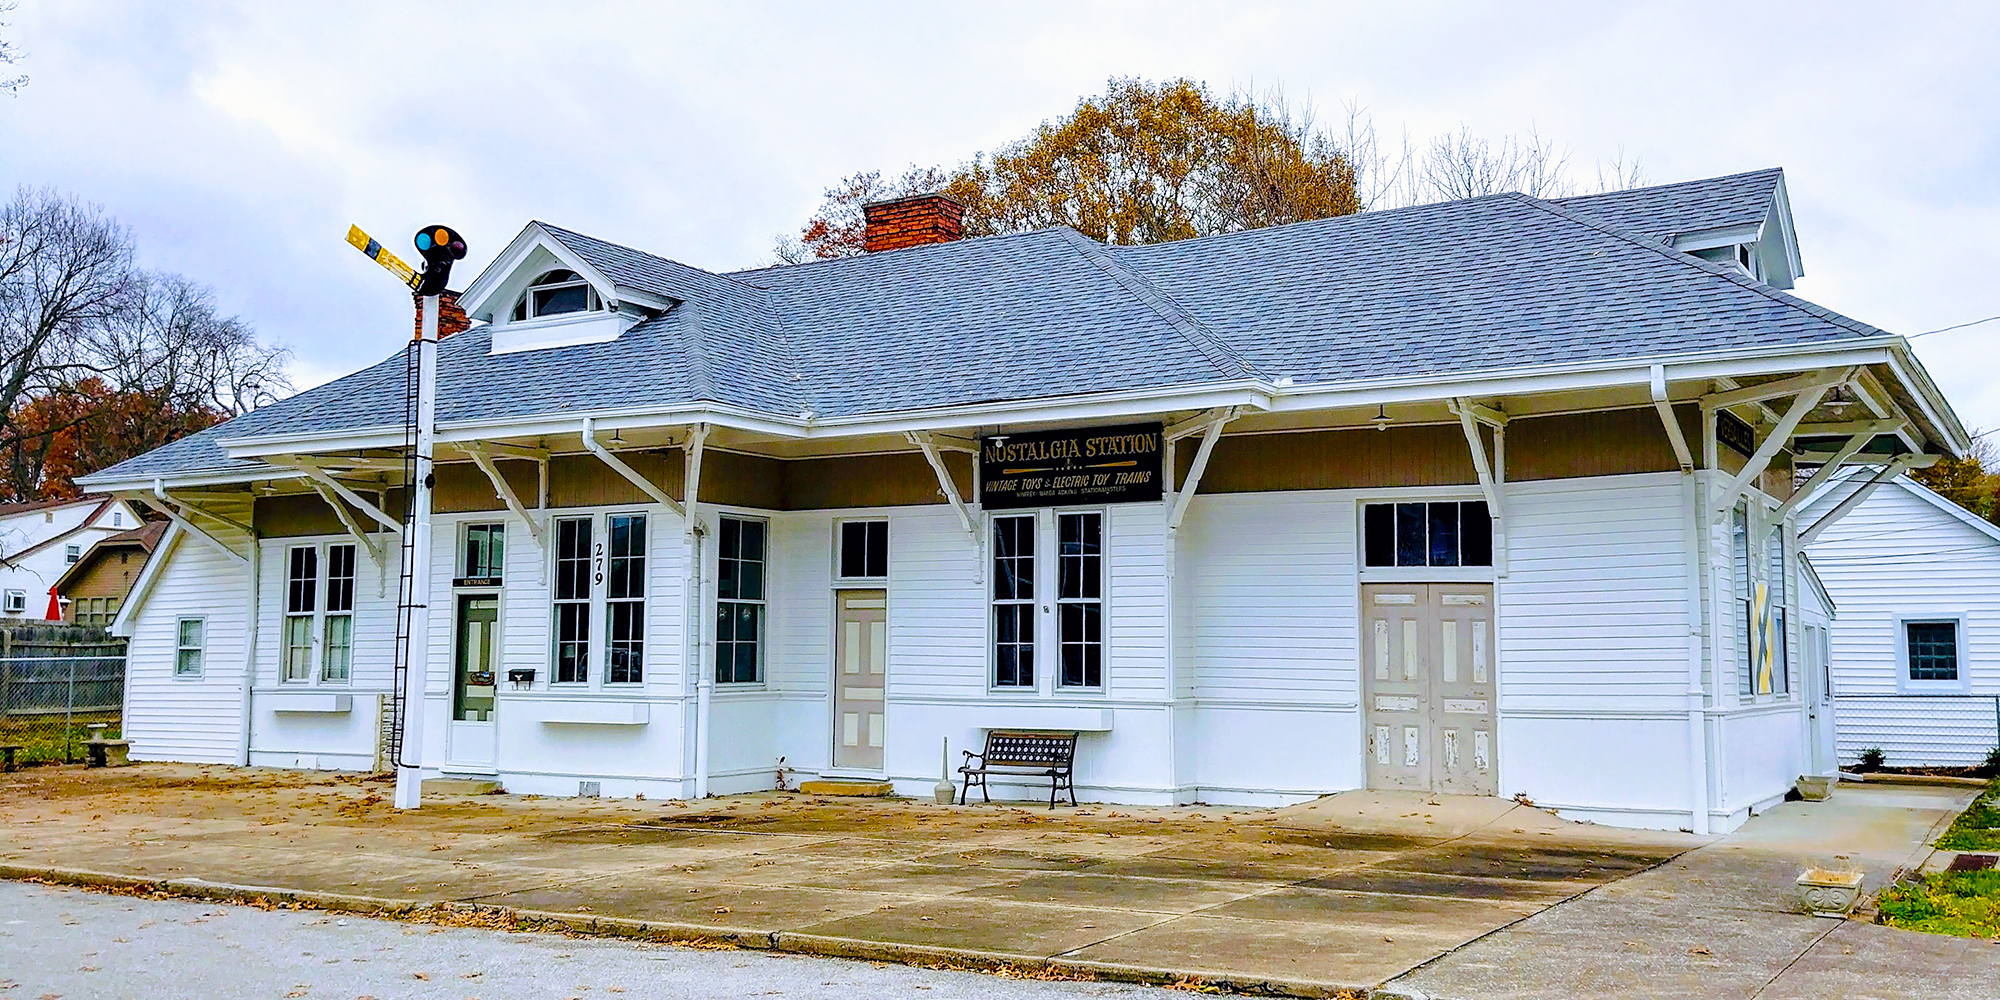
[[1871, 760], [1990, 769]]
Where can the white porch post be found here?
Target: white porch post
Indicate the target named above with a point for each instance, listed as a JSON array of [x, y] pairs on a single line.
[[1692, 513], [700, 637]]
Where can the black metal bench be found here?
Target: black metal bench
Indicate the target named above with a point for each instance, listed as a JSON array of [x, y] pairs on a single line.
[[1012, 751]]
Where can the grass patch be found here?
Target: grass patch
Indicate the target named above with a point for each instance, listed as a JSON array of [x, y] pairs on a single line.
[[42, 738], [1966, 904], [1978, 827]]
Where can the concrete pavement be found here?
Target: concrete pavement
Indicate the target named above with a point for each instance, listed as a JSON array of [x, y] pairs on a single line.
[[77, 945], [1719, 921]]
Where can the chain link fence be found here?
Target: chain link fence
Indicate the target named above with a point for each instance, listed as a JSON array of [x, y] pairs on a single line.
[[60, 686]]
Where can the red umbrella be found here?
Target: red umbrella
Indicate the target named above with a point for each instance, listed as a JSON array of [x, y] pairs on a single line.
[[55, 607]]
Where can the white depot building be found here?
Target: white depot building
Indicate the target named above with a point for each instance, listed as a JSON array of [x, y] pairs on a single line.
[[1492, 496]]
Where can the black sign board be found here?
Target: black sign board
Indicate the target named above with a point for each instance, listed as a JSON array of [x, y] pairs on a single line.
[[1085, 465], [476, 581]]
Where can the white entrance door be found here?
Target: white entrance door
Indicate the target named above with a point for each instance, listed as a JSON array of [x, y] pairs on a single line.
[[1822, 757], [475, 640], [860, 678], [1428, 682]]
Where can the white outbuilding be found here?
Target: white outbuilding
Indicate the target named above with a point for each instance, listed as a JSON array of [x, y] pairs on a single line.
[[1916, 645], [1492, 496]]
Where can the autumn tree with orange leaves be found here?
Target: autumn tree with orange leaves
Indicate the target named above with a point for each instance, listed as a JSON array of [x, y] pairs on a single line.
[[1142, 163]]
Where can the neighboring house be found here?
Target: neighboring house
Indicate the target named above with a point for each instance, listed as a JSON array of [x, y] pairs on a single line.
[[41, 539], [95, 587], [1916, 645], [1491, 496]]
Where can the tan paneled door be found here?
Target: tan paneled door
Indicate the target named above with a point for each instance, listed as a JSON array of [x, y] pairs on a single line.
[[1427, 672], [860, 678]]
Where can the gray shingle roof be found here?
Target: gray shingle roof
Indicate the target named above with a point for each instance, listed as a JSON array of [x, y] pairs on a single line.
[[1504, 281], [1666, 210]]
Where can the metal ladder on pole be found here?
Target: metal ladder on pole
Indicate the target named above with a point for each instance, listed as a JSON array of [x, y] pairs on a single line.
[[392, 738]]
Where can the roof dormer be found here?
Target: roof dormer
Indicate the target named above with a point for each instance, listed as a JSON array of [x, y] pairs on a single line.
[[540, 294]]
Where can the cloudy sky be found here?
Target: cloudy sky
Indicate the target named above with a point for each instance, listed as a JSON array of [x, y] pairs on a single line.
[[240, 140]]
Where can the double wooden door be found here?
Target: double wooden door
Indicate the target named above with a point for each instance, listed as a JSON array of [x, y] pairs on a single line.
[[1428, 684]]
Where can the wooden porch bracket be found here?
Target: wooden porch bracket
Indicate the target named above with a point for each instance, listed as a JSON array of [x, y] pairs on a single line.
[[320, 477], [946, 485], [1896, 467], [1863, 432], [1211, 431], [647, 486], [347, 521], [1493, 474], [504, 491], [1806, 390], [176, 513]]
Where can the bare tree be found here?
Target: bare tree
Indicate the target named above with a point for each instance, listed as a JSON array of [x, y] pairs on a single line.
[[9, 55], [100, 361], [1467, 166]]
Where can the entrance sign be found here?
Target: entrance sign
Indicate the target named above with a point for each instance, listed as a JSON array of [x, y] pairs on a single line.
[[1084, 465]]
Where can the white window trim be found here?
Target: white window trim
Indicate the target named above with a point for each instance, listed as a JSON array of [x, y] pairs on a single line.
[[1905, 685], [463, 533], [852, 582], [317, 646], [714, 608], [1103, 600], [1413, 574], [989, 553], [1048, 621], [72, 554], [596, 660], [14, 602], [601, 597], [594, 302], [202, 660]]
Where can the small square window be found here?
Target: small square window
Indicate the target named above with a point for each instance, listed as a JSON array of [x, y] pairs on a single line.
[[1931, 649], [864, 550]]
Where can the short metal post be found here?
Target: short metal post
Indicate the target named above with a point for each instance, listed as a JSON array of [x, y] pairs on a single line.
[[6, 672]]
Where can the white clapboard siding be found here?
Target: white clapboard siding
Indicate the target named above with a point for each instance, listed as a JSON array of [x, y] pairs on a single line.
[[1135, 626], [182, 718], [1904, 551], [800, 581], [1268, 602], [1593, 611], [937, 623]]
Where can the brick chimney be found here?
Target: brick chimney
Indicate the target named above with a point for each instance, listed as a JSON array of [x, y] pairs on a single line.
[[451, 319], [912, 221]]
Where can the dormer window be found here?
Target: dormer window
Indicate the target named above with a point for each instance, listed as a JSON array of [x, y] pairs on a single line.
[[555, 293]]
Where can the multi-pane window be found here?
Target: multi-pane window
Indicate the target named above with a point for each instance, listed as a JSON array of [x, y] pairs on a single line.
[[1746, 597], [625, 600], [485, 552], [1776, 595], [190, 645], [337, 661], [72, 554], [1437, 533], [739, 606], [1931, 648], [572, 600], [1014, 601], [864, 550], [1080, 598], [301, 604]]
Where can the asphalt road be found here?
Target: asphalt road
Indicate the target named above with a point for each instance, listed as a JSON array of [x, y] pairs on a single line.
[[79, 945]]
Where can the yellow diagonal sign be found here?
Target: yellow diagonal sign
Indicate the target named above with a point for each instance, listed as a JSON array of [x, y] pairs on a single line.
[[381, 255]]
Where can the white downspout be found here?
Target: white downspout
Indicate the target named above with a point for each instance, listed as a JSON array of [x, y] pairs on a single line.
[[1697, 698], [699, 638], [250, 637]]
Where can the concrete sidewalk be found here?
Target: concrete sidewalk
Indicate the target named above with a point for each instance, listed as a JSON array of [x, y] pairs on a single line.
[[1718, 922], [1331, 897]]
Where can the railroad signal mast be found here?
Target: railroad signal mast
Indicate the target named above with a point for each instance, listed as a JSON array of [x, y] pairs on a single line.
[[440, 247]]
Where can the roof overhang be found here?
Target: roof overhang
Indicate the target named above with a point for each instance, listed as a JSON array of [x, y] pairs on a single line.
[[1887, 354]]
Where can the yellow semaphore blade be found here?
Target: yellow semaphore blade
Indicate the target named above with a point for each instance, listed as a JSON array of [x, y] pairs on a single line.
[[380, 254]]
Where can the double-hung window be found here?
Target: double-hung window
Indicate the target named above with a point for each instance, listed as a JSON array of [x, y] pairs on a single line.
[[312, 623], [301, 605], [190, 646], [572, 600], [1778, 593], [1080, 598], [72, 554], [739, 606], [337, 659], [485, 552], [1746, 597], [1014, 601], [625, 601]]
